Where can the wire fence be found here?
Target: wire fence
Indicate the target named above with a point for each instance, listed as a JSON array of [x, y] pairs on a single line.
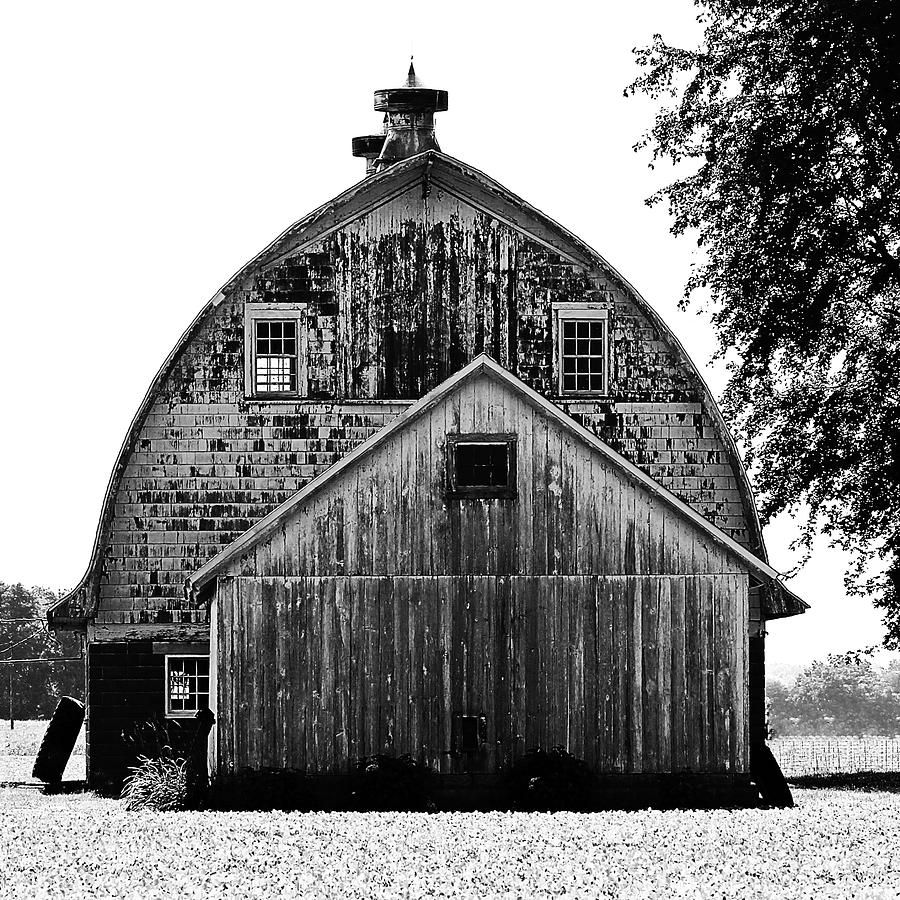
[[836, 755]]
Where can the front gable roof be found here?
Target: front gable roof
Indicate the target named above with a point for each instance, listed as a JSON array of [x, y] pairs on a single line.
[[783, 603]]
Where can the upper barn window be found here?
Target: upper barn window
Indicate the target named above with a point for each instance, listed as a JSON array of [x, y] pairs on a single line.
[[482, 465], [582, 349], [274, 339], [187, 685]]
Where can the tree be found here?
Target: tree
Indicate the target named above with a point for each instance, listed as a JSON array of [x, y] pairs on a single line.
[[838, 697], [24, 635], [788, 120]]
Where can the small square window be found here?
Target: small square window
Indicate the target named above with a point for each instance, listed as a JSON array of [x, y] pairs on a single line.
[[187, 685], [482, 465]]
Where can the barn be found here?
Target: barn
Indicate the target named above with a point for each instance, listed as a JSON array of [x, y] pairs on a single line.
[[429, 476], [483, 576]]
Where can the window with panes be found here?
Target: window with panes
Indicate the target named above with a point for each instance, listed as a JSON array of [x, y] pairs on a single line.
[[582, 350], [274, 344], [275, 356], [187, 685]]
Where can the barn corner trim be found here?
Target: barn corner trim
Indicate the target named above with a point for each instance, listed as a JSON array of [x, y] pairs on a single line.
[[784, 601]]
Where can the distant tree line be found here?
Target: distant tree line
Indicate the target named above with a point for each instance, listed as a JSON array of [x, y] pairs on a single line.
[[31, 690], [845, 695]]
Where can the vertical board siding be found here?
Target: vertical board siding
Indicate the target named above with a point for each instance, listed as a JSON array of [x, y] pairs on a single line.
[[315, 672]]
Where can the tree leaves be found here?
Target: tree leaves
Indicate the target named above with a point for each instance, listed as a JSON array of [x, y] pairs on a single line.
[[24, 635], [792, 114], [843, 696]]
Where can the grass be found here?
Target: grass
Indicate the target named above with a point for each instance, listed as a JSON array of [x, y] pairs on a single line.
[[160, 784], [834, 844], [19, 747], [841, 840], [25, 738], [888, 782]]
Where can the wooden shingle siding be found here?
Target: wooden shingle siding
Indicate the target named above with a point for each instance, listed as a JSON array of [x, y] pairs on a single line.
[[634, 674], [395, 301]]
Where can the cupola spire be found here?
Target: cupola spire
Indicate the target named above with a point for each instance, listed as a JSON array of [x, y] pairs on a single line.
[[408, 123], [411, 79]]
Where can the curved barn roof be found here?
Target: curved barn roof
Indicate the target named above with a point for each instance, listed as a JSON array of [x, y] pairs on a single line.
[[428, 169]]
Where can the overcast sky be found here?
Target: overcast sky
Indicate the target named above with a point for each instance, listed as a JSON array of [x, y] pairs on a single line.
[[152, 149]]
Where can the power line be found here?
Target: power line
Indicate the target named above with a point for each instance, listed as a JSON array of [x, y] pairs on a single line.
[[34, 633], [41, 659]]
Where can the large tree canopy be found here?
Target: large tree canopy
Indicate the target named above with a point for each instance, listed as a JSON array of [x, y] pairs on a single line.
[[36, 686], [787, 120]]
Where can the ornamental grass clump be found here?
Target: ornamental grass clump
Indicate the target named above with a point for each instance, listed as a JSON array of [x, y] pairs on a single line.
[[157, 784]]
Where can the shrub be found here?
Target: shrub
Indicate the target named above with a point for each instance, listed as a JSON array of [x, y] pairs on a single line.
[[165, 748], [158, 784], [159, 738], [549, 781], [382, 783]]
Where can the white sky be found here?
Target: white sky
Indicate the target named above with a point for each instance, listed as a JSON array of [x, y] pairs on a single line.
[[150, 150]]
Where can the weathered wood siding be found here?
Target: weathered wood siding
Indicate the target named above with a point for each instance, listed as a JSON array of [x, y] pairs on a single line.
[[576, 512], [395, 300], [634, 674], [585, 611]]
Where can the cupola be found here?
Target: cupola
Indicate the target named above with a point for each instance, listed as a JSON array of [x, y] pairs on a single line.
[[408, 123]]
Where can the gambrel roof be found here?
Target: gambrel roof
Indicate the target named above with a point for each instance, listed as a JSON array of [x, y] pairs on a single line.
[[781, 601], [425, 172]]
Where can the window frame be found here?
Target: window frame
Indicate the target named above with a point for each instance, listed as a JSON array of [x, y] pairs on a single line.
[[285, 312], [476, 491], [568, 312], [182, 713]]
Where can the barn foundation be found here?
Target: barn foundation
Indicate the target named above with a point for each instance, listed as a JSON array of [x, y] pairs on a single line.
[[293, 790]]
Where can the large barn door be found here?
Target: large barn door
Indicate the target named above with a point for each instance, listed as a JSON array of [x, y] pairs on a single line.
[[467, 672]]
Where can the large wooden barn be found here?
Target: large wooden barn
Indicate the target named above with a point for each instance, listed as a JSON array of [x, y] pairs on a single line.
[[428, 476]]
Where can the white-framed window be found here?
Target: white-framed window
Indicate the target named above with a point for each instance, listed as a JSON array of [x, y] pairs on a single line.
[[187, 685], [582, 349], [274, 350]]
